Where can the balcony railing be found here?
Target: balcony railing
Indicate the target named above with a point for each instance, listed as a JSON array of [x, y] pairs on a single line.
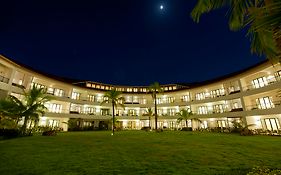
[[262, 107], [257, 86]]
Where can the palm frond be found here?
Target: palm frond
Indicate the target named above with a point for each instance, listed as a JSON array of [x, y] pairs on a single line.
[[205, 6]]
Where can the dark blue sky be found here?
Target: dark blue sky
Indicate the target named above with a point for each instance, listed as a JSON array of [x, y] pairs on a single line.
[[129, 42]]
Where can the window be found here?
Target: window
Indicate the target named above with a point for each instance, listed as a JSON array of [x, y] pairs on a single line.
[[185, 98], [143, 101], [235, 105], [221, 123], [272, 124], [75, 95], [104, 111], [264, 103], [99, 98], [53, 123], [200, 96], [170, 99], [171, 112], [217, 93], [259, 82], [105, 99], [50, 91], [129, 89], [278, 75], [202, 110], [89, 85], [218, 108], [90, 110], [160, 112], [59, 92], [56, 92], [159, 101], [132, 112], [75, 108], [52, 107], [37, 85], [233, 89], [135, 100], [91, 98]]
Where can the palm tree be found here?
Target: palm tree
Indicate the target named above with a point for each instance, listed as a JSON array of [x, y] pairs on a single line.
[[12, 108], [184, 115], [113, 97], [150, 114], [261, 17], [154, 89], [31, 107]]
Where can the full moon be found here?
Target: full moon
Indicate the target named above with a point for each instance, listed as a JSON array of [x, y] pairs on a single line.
[[161, 7]]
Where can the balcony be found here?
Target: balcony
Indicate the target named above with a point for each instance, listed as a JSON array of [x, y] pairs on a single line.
[[269, 82]]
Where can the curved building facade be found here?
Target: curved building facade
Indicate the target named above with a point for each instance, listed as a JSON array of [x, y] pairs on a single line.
[[251, 96]]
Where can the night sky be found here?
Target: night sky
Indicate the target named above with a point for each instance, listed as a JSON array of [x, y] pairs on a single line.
[[126, 42]]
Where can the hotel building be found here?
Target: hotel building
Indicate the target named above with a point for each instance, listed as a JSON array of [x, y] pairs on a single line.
[[250, 95]]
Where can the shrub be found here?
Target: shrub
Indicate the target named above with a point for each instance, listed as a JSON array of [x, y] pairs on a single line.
[[10, 133], [186, 129], [146, 128], [246, 132], [49, 133]]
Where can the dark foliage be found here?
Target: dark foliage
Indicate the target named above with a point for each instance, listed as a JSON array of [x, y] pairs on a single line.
[[186, 129]]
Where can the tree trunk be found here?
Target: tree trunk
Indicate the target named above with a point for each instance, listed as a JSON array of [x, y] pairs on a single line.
[[155, 105], [113, 121], [24, 124], [149, 122], [30, 130], [17, 122], [186, 123]]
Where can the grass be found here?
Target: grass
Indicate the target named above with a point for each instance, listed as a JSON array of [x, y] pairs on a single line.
[[138, 152]]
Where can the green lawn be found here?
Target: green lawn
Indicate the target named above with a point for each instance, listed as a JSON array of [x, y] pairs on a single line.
[[138, 152]]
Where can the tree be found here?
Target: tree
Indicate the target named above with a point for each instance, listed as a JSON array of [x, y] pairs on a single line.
[[113, 97], [184, 115], [150, 114], [154, 89], [30, 108], [262, 18]]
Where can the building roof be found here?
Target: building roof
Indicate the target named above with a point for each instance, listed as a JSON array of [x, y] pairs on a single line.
[[180, 86]]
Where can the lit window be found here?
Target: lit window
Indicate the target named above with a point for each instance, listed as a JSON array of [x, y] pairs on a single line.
[[91, 97], [264, 103], [75, 95], [185, 98], [89, 85], [202, 110], [52, 107], [58, 92], [259, 82], [50, 91], [200, 96]]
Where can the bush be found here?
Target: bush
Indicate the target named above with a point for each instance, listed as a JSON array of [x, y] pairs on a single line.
[[146, 128], [264, 171], [10, 133], [186, 129], [49, 133], [246, 132]]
